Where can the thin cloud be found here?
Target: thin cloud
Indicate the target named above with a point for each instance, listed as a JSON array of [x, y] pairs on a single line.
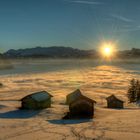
[[132, 29], [119, 17], [86, 2]]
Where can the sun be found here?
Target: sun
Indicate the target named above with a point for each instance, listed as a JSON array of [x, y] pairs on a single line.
[[107, 50]]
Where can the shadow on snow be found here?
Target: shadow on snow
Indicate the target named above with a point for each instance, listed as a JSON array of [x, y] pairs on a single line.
[[19, 114], [70, 121]]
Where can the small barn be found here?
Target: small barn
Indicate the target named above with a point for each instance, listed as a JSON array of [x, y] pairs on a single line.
[[83, 107], [73, 96], [38, 100], [114, 102]]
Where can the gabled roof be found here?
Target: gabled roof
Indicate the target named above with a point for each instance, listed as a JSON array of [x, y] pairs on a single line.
[[113, 97], [82, 97], [76, 92], [39, 96]]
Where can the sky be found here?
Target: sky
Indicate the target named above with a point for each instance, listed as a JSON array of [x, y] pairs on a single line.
[[82, 24]]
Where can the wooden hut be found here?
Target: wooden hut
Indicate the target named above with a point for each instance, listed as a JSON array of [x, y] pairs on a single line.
[[38, 100], [83, 107], [73, 96], [114, 102]]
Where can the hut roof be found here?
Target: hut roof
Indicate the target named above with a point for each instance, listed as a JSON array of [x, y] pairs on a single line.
[[82, 97], [113, 97], [39, 96], [74, 94]]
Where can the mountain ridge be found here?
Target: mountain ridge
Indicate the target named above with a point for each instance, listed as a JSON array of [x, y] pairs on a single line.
[[51, 52], [64, 52]]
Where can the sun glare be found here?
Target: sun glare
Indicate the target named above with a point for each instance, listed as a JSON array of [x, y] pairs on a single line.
[[107, 49]]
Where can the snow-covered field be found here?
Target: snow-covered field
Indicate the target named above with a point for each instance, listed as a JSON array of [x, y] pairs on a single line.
[[96, 80]]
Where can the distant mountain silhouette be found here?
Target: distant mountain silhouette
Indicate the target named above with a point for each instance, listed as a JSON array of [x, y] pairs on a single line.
[[64, 52], [133, 53], [50, 52]]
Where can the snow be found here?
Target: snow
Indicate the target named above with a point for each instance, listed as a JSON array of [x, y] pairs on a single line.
[[40, 96], [96, 82]]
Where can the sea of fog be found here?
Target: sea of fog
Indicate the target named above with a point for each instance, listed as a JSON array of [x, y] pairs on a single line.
[[97, 79], [44, 65]]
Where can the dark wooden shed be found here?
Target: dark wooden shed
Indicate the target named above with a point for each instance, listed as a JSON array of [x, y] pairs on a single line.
[[73, 96], [82, 107], [114, 102], [38, 100]]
